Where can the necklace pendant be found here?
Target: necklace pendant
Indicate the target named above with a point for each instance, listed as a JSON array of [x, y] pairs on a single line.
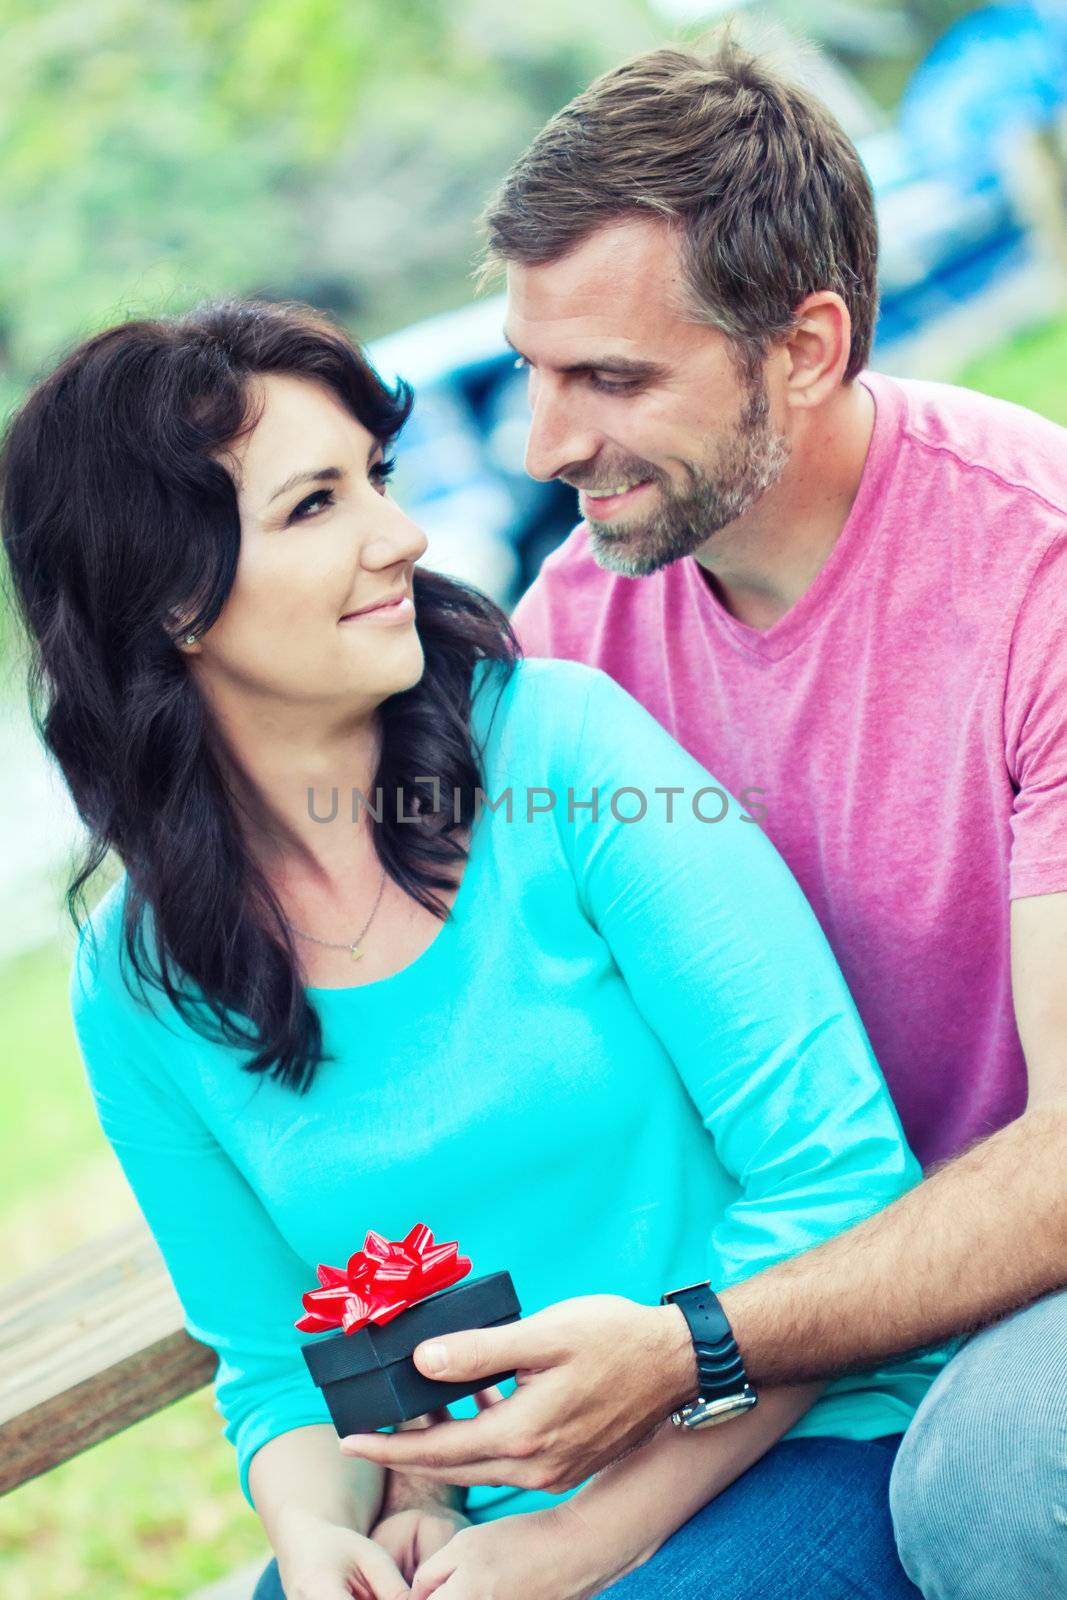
[[356, 953]]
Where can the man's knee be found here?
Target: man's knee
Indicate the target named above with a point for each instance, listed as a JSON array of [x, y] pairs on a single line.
[[979, 1488]]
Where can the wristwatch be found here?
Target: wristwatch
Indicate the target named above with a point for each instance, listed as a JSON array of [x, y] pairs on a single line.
[[724, 1390]]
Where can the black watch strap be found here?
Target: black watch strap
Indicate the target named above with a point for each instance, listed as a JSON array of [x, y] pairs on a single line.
[[719, 1364]]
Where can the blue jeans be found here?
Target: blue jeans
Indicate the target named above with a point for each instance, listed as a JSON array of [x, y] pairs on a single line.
[[979, 1490], [810, 1520]]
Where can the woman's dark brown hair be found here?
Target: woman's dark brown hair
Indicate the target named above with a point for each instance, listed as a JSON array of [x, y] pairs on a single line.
[[117, 520], [767, 192]]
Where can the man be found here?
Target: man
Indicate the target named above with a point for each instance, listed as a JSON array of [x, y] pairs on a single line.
[[845, 596]]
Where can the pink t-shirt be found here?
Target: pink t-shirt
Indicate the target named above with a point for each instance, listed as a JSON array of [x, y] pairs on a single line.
[[904, 724]]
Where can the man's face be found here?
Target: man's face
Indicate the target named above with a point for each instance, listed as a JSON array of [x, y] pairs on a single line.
[[626, 393]]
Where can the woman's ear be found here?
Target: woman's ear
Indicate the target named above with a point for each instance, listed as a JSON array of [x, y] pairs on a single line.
[[180, 631]]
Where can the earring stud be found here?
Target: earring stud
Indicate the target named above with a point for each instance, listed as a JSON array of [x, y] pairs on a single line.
[[190, 638]]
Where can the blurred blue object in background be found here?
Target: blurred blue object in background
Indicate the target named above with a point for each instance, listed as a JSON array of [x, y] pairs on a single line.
[[998, 70], [460, 471]]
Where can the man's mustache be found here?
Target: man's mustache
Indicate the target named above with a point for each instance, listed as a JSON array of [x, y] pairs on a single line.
[[624, 475]]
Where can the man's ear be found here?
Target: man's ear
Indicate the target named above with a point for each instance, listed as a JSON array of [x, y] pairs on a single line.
[[818, 348]]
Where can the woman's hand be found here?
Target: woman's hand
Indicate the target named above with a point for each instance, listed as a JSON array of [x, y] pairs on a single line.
[[538, 1555], [336, 1563], [413, 1536], [419, 1515]]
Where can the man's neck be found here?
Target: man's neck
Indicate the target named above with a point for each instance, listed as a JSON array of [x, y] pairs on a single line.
[[760, 565]]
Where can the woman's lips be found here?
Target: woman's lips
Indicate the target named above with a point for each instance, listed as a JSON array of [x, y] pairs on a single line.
[[396, 611]]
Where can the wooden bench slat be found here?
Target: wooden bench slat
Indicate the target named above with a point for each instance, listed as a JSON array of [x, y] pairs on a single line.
[[89, 1345]]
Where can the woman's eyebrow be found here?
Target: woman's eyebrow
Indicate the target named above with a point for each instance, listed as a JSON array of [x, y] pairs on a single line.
[[327, 474], [320, 474]]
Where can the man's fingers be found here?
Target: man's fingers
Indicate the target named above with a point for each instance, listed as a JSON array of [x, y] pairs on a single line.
[[484, 1398], [492, 1473], [465, 1446], [427, 1420], [460, 1449], [481, 1352]]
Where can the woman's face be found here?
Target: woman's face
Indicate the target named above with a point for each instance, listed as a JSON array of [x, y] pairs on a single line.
[[319, 540]]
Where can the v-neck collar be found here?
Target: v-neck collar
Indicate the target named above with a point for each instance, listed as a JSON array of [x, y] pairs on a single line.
[[852, 543]]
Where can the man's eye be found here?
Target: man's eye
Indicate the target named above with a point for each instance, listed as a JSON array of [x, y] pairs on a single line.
[[308, 507], [626, 387]]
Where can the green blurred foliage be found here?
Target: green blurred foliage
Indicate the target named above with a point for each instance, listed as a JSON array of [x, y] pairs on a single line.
[[337, 150], [152, 1514], [1029, 371]]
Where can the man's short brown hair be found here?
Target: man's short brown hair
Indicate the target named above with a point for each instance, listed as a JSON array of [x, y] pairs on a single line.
[[770, 194]]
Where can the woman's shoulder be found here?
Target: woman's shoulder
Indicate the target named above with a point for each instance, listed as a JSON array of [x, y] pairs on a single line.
[[563, 695], [533, 682], [113, 1010], [535, 705]]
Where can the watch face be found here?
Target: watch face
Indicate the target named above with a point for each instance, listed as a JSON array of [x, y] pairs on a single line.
[[706, 1413], [672, 1294]]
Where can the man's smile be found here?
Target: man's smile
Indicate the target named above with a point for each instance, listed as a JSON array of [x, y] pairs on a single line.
[[604, 503]]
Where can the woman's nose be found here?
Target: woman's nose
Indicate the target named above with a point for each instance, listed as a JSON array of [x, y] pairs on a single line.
[[399, 540]]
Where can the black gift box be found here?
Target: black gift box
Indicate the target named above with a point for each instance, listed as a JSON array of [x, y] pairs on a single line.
[[368, 1378]]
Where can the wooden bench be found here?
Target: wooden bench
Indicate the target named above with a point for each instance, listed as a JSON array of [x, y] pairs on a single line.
[[89, 1345]]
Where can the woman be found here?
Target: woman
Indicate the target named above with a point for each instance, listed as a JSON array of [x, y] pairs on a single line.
[[334, 988]]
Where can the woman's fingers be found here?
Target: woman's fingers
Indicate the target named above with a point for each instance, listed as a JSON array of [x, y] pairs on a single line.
[[433, 1575], [386, 1579]]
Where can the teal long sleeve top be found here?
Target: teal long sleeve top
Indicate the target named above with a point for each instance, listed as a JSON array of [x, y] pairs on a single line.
[[628, 1061]]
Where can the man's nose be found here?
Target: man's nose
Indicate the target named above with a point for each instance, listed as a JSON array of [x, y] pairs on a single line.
[[559, 437]]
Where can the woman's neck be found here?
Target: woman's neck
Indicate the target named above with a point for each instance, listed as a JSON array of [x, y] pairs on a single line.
[[295, 773]]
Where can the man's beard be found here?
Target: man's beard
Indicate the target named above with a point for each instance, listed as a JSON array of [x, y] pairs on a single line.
[[750, 459]]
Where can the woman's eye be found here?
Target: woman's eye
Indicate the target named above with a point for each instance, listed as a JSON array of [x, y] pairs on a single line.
[[309, 505], [312, 504], [382, 471]]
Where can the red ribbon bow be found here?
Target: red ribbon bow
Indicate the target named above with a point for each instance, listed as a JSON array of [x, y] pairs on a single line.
[[382, 1280]]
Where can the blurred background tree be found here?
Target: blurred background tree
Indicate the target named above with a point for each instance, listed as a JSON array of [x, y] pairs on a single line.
[[334, 150]]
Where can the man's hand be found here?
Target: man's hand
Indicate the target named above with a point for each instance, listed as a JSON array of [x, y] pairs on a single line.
[[595, 1377]]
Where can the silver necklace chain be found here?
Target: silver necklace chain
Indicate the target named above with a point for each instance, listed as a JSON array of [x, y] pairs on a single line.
[[351, 945]]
